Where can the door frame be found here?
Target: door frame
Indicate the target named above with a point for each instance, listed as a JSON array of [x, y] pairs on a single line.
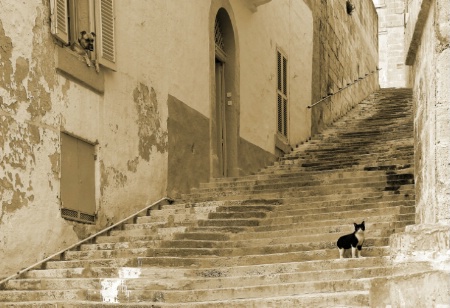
[[221, 119], [229, 56]]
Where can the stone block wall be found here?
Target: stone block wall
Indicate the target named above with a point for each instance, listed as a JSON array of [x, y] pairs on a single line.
[[345, 53], [391, 16], [428, 54], [426, 244]]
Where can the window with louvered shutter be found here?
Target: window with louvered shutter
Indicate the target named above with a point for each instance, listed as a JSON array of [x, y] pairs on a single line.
[[104, 18], [70, 17], [59, 20], [282, 90]]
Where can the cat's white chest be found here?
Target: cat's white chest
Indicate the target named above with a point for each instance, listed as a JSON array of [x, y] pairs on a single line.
[[360, 237]]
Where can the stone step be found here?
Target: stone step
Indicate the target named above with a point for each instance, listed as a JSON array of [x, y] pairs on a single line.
[[376, 229], [226, 294], [212, 280], [43, 295], [341, 160], [309, 179], [281, 216], [356, 146], [238, 212], [310, 175], [151, 229], [213, 261], [208, 248], [364, 154], [303, 185], [396, 221], [161, 233], [399, 133], [268, 245], [406, 190], [210, 240], [248, 211], [333, 299], [316, 202], [315, 266], [175, 212], [343, 173], [374, 165], [340, 189], [319, 208], [324, 183]]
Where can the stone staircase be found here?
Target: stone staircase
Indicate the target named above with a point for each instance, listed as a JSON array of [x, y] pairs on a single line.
[[263, 240]]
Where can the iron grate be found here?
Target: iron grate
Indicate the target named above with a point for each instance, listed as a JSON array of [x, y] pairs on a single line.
[[218, 36], [77, 216]]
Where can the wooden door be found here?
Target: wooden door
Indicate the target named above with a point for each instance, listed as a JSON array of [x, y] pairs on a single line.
[[221, 118]]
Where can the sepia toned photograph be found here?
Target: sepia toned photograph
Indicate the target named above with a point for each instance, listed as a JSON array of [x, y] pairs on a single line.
[[224, 153]]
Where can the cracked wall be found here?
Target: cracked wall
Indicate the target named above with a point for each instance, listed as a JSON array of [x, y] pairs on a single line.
[[149, 122], [38, 102], [428, 41], [29, 140]]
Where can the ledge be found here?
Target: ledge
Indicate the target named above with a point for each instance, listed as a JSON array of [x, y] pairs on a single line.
[[282, 144], [252, 5], [73, 66]]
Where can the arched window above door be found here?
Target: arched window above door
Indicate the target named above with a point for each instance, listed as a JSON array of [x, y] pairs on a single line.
[[219, 41]]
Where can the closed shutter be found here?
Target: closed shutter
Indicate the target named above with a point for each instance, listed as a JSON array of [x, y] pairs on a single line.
[[77, 179], [105, 31], [282, 98], [60, 20]]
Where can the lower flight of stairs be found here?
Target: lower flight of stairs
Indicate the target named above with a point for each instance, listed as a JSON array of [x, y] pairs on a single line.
[[265, 240]]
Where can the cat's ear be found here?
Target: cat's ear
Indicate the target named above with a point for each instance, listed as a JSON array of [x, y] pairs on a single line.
[[362, 222]]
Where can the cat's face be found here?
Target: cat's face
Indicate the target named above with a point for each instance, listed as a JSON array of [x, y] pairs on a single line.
[[360, 228]]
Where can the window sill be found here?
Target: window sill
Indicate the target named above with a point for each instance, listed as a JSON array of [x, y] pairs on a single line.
[[74, 67]]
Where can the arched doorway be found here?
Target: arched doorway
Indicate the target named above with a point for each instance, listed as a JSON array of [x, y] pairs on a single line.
[[225, 97]]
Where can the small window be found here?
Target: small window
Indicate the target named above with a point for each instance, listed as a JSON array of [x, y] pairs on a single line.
[[282, 97], [87, 27], [77, 179]]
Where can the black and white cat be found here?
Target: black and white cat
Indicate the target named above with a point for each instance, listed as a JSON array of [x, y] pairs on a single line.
[[353, 240]]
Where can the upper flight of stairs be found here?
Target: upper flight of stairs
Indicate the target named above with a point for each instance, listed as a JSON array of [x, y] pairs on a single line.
[[264, 240]]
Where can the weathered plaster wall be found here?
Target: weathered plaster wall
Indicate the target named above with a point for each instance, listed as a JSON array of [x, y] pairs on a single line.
[[187, 40], [391, 28], [127, 123], [188, 148], [345, 50], [287, 25], [29, 136], [252, 158]]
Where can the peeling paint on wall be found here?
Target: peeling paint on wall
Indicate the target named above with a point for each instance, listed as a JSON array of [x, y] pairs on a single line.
[[132, 164], [5, 58], [111, 177], [17, 145], [149, 121]]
